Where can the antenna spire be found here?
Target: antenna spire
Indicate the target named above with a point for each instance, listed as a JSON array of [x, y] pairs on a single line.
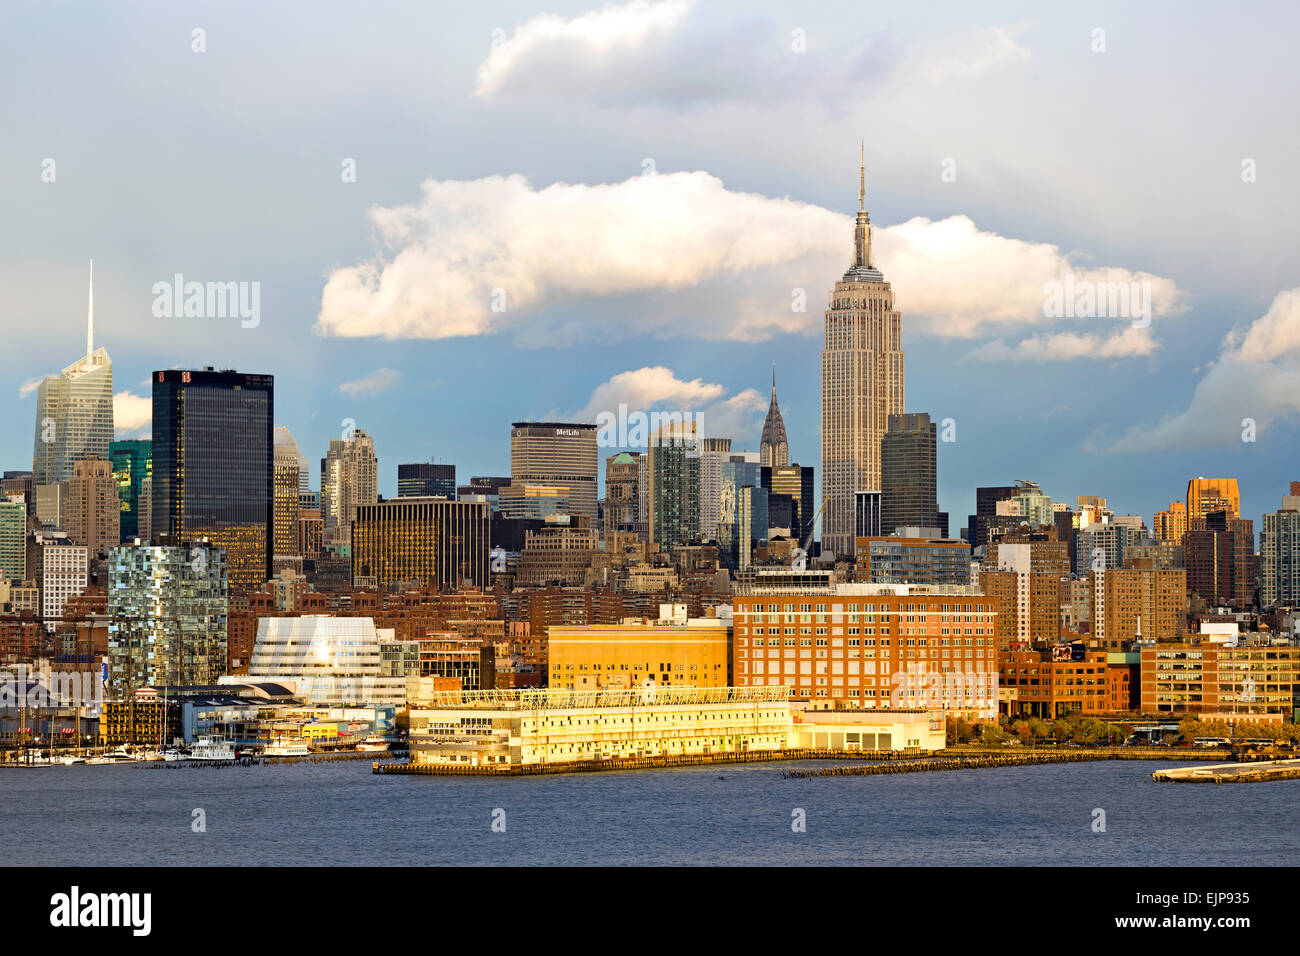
[[862, 177], [90, 313]]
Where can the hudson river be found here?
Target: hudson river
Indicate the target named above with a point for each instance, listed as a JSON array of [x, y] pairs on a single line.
[[340, 813]]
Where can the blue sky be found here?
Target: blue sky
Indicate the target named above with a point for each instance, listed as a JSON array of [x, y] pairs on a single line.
[[507, 147]]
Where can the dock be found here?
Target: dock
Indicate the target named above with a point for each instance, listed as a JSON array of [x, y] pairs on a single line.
[[1260, 772]]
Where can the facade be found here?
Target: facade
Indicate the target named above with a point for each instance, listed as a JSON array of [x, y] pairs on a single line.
[[132, 467], [1048, 686], [328, 661], [862, 384], [870, 646], [93, 510], [1279, 555], [796, 481], [557, 555], [520, 728], [1133, 603], [1220, 681], [1220, 560], [13, 540], [213, 469], [714, 452], [1171, 524], [623, 492], [737, 525], [430, 542], [774, 446], [287, 494], [426, 480], [349, 479], [64, 573], [908, 479], [1207, 495], [285, 444], [673, 473], [74, 411], [167, 607], [867, 517], [672, 651], [907, 559], [557, 453]]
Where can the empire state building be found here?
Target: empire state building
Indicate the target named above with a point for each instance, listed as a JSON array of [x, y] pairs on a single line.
[[862, 383]]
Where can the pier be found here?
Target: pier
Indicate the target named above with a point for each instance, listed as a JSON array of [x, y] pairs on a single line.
[[1258, 772], [865, 763]]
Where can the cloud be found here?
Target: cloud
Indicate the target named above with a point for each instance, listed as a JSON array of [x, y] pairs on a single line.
[[656, 388], [376, 383], [492, 255], [556, 49], [964, 56], [672, 53], [1066, 346], [29, 386], [132, 414], [1251, 385]]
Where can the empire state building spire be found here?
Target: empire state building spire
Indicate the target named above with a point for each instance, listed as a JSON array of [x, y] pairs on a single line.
[[862, 229]]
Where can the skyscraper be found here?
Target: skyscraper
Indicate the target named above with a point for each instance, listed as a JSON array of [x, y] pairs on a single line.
[[713, 452], [285, 437], [168, 611], [1279, 555], [349, 478], [213, 468], [74, 410], [774, 447], [557, 454], [796, 481], [425, 480], [93, 509], [673, 484], [907, 473], [287, 493], [423, 542], [623, 492], [1205, 495], [862, 383], [132, 466]]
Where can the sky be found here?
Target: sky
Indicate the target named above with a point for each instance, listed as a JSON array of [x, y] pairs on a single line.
[[455, 217]]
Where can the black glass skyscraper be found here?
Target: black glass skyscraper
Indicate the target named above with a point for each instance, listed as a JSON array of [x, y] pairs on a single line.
[[907, 473], [424, 480], [213, 465]]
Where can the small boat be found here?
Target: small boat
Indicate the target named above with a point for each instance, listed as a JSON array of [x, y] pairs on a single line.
[[113, 757], [373, 744], [287, 747], [171, 755], [71, 759], [211, 750]]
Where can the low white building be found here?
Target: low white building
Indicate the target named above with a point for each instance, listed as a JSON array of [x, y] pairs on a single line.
[[330, 661]]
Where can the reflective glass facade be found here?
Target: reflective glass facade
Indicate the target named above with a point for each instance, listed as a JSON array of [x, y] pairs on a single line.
[[213, 466]]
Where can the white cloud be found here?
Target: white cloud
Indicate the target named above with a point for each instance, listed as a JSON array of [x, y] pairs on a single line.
[[28, 387], [1067, 346], [491, 255], [376, 383], [556, 48], [1254, 381], [132, 414], [656, 388], [970, 55]]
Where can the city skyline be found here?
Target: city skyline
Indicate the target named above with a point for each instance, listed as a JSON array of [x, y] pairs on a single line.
[[659, 353]]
